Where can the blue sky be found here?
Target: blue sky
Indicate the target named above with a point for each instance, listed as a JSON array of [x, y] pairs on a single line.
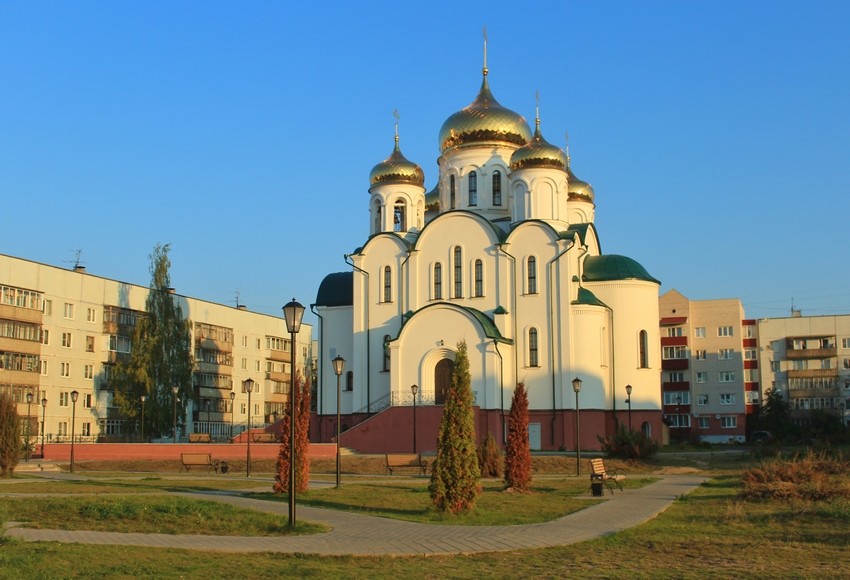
[[716, 134]]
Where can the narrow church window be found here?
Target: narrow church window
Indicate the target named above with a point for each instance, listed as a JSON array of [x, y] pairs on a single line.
[[399, 217], [497, 188], [533, 360], [531, 265], [451, 191], [438, 281], [479, 278], [377, 217], [473, 188], [387, 339], [388, 284], [349, 381], [644, 346], [458, 267]]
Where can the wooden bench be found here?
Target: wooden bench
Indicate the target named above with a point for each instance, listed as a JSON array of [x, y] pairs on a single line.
[[197, 460], [405, 461], [265, 438], [598, 474], [200, 438]]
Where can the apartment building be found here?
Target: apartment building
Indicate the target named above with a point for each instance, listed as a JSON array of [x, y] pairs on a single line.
[[807, 359], [710, 368], [62, 331]]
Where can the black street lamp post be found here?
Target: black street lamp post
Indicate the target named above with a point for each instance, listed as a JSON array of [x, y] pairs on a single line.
[[143, 398], [292, 314], [577, 389], [248, 387], [232, 412], [29, 424], [629, 401], [414, 389], [175, 390], [43, 412], [339, 367], [74, 396]]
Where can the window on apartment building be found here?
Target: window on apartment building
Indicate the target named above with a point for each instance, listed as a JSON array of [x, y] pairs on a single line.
[[727, 376], [725, 353], [749, 331], [47, 307], [751, 375], [86, 430], [699, 332], [438, 281], [64, 397], [257, 366], [69, 310], [531, 275], [846, 363], [497, 188], [89, 344], [700, 354], [45, 336], [643, 349], [44, 368], [750, 354], [704, 422], [674, 352], [676, 377], [88, 372], [458, 270], [62, 430], [678, 421], [87, 400], [702, 400], [677, 397], [675, 331], [479, 278], [66, 340], [845, 343], [473, 188], [533, 352], [388, 284], [725, 331], [729, 421], [702, 377], [65, 369], [120, 343], [727, 398], [91, 315]]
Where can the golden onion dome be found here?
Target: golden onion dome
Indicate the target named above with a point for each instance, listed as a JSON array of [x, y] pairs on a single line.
[[484, 121], [397, 169], [578, 190], [538, 152]]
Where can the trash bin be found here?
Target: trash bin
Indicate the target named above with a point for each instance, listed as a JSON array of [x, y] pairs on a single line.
[[223, 467], [596, 489]]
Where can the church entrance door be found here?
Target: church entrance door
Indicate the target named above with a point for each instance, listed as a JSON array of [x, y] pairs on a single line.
[[442, 378]]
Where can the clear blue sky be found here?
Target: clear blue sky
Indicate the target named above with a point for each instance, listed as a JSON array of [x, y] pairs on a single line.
[[716, 134]]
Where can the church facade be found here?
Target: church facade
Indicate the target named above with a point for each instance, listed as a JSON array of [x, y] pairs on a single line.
[[504, 255]]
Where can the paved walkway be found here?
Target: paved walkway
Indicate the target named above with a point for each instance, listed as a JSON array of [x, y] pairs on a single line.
[[368, 535]]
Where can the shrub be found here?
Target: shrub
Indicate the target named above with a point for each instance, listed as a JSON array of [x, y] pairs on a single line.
[[10, 436], [813, 476], [628, 444], [489, 458], [518, 452], [302, 443]]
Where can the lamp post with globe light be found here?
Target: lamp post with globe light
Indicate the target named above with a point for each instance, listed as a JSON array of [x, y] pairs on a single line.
[[339, 367], [576, 390]]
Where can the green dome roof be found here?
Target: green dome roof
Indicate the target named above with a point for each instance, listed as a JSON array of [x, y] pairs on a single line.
[[614, 267], [336, 290]]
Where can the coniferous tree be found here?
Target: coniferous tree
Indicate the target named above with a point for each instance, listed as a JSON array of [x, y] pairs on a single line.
[[160, 356], [455, 477], [302, 443], [10, 435], [518, 452]]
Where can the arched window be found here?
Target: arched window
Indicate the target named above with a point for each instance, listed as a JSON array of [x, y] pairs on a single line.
[[387, 339], [531, 267], [473, 188], [533, 360], [497, 188], [388, 284], [451, 192], [377, 217], [644, 349], [438, 281], [458, 268], [349, 381], [479, 279], [399, 217]]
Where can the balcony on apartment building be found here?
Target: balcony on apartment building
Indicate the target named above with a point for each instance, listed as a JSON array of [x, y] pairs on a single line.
[[810, 353]]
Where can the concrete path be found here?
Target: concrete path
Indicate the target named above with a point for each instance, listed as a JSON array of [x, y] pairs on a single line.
[[356, 534]]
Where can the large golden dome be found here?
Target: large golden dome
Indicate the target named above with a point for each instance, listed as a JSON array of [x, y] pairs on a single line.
[[538, 152], [578, 190], [484, 121], [397, 169]]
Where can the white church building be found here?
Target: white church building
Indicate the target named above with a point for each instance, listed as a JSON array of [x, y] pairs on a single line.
[[504, 255]]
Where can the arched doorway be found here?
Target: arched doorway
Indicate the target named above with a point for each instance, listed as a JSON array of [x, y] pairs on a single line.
[[442, 378]]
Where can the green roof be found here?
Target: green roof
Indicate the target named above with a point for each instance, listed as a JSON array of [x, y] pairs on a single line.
[[487, 324], [580, 229], [588, 298], [614, 267], [336, 290]]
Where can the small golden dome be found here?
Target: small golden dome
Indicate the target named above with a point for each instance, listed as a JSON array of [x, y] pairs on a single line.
[[484, 121], [397, 169], [538, 153], [578, 190]]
